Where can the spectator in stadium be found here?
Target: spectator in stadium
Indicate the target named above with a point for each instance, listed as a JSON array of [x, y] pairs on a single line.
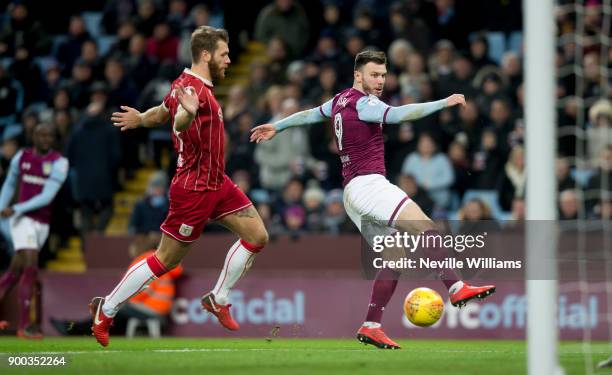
[[241, 149], [23, 31], [138, 65], [512, 181], [94, 153], [408, 183], [236, 104], [177, 12], [29, 121], [278, 60], [70, 49], [487, 161], [440, 64], [460, 80], [479, 52], [363, 23], [411, 79], [599, 185], [115, 13], [468, 127], [150, 211], [500, 122], [276, 158], [24, 69], [512, 71], [599, 130], [593, 79], [78, 85], [121, 89], [336, 221], [569, 205], [286, 19], [431, 169], [332, 19], [565, 181], [405, 26], [126, 31], [258, 83], [63, 122], [162, 45], [603, 209], [147, 17], [91, 56], [518, 210], [11, 103], [313, 200], [328, 84], [458, 157], [476, 217]]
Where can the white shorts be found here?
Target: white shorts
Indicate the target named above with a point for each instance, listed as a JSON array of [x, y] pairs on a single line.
[[27, 233], [373, 198]]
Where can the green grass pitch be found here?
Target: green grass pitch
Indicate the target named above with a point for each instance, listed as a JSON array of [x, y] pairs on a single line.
[[288, 356]]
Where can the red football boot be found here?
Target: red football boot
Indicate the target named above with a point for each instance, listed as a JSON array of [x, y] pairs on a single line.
[[376, 337], [468, 292], [101, 323], [30, 333], [220, 311]]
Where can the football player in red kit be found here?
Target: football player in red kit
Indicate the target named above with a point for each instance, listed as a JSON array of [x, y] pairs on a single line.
[[200, 190]]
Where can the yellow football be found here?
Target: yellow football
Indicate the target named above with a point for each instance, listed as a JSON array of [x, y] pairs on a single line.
[[423, 307]]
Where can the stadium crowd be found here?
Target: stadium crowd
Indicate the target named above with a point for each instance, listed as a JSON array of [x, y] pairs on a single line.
[[465, 163]]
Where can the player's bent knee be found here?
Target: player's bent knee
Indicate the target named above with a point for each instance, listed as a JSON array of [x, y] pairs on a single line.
[[257, 243]]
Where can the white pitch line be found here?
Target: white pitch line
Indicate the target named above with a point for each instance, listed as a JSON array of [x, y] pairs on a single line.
[[212, 350]]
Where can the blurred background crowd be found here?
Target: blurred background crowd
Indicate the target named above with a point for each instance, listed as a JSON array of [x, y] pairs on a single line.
[[76, 68]]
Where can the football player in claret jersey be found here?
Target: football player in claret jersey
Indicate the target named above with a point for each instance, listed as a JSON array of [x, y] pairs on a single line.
[[200, 191], [38, 173], [358, 117]]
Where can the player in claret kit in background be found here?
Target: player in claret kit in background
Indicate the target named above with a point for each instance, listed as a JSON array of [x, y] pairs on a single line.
[[358, 116], [39, 172], [200, 191]]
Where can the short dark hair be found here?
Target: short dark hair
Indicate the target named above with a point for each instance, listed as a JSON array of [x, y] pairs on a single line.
[[205, 38], [364, 57]]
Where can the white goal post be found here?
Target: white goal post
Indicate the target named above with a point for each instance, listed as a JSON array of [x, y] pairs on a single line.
[[542, 295]]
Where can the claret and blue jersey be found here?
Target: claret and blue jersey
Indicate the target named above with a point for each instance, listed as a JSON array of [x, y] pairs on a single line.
[[358, 119]]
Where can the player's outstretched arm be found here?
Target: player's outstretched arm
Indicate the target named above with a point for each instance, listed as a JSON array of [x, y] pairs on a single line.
[[310, 116], [131, 118], [370, 109], [9, 186], [59, 173]]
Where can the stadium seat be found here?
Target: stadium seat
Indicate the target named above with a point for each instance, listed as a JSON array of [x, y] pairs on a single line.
[[104, 44], [581, 176], [92, 23], [153, 326], [497, 45]]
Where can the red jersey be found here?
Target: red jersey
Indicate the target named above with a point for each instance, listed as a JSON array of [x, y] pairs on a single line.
[[200, 164]]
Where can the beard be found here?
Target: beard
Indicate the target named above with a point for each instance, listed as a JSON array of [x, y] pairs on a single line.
[[369, 89], [216, 72]]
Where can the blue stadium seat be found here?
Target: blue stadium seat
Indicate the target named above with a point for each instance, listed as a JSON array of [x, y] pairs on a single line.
[[581, 176], [105, 43], [92, 23], [497, 45]]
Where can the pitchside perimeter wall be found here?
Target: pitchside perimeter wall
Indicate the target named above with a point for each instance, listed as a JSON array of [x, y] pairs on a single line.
[[309, 288]]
